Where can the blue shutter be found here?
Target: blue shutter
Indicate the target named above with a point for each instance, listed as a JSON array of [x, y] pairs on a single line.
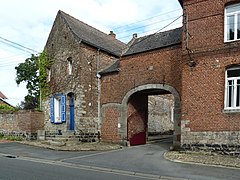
[[63, 108], [52, 109]]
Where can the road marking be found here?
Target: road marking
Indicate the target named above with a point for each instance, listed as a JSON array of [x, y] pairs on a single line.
[[90, 155], [97, 169]]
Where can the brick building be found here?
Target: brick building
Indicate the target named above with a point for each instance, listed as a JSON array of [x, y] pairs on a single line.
[[210, 89], [197, 64]]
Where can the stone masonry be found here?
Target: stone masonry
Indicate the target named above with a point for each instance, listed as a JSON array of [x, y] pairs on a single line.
[[64, 43], [160, 112]]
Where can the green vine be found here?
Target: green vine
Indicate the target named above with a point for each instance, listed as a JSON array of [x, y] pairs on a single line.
[[44, 65]]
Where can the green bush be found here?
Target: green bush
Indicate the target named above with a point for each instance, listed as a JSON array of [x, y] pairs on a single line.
[[4, 108], [10, 137]]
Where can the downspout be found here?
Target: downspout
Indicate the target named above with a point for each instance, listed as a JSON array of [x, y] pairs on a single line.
[[40, 89], [99, 92]]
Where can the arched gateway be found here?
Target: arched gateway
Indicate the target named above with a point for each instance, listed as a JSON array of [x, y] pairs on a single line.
[[131, 113], [150, 66]]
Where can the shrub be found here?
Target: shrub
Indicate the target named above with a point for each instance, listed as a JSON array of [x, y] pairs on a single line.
[[4, 108], [11, 137]]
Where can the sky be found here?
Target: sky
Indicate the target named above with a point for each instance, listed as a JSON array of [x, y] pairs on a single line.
[[29, 22]]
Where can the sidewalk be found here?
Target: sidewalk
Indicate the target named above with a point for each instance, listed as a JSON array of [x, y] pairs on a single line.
[[202, 158], [73, 146]]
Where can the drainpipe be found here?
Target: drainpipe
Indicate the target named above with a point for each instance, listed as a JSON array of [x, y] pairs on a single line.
[[99, 91], [40, 89]]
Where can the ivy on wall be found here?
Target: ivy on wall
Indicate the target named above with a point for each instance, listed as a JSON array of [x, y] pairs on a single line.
[[44, 66]]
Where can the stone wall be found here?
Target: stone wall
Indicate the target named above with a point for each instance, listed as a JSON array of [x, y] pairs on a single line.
[[23, 123], [82, 83], [223, 142], [160, 112]]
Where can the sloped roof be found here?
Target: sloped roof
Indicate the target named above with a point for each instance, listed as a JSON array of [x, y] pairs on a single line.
[[2, 96], [113, 68], [181, 2], [154, 41], [92, 36]]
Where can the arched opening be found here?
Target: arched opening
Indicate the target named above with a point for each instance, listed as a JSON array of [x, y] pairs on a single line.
[[136, 112], [71, 111]]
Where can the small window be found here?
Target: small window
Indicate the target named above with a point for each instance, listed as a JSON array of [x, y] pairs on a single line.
[[232, 22], [49, 75], [70, 65], [58, 108], [232, 91]]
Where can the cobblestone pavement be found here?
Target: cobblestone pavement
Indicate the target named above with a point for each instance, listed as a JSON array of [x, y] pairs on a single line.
[[203, 158]]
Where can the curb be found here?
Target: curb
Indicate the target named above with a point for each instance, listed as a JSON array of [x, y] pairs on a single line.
[[198, 163]]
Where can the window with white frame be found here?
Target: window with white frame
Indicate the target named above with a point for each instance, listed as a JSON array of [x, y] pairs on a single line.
[[69, 65], [58, 108], [232, 22], [232, 93], [49, 75]]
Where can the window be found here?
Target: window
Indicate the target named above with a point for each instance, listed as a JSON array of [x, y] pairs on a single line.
[[69, 65], [58, 108], [232, 22], [232, 92], [49, 75]]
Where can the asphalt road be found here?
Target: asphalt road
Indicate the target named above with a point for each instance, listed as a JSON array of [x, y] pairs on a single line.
[[19, 161], [18, 169]]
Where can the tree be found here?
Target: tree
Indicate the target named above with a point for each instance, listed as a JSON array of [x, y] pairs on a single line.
[[28, 72], [34, 72]]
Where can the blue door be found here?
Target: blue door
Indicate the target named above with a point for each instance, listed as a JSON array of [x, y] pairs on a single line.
[[72, 114]]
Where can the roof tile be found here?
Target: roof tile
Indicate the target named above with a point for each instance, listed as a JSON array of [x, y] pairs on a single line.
[[155, 41], [92, 36]]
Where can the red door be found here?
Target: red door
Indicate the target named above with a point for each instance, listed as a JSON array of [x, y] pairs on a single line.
[[137, 129]]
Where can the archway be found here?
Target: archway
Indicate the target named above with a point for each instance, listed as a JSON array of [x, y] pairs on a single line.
[[135, 110]]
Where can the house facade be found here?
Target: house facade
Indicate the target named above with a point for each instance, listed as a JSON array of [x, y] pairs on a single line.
[[210, 76], [109, 84], [198, 64], [78, 52]]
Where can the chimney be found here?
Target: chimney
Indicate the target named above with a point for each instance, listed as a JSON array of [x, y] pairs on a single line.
[[112, 34], [135, 35]]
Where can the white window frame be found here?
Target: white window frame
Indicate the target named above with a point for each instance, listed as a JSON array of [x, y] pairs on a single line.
[[49, 75], [235, 14], [234, 90], [57, 110], [70, 66]]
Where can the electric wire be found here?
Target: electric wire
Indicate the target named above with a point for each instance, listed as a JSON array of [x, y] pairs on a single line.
[[150, 24], [143, 20], [28, 50], [19, 45], [145, 32]]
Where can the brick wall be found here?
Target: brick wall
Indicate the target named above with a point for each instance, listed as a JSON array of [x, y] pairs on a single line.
[[157, 67], [204, 121], [110, 125], [22, 122]]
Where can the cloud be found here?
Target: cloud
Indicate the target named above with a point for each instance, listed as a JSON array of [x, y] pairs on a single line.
[[29, 22]]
